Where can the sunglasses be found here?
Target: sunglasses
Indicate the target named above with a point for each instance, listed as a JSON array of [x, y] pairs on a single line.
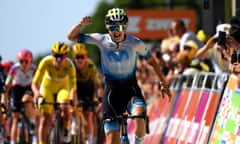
[[235, 58], [23, 61], [117, 27], [79, 57], [61, 56]]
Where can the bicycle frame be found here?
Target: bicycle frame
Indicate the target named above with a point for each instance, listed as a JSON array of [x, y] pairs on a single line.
[[25, 136], [56, 128], [122, 119], [78, 136]]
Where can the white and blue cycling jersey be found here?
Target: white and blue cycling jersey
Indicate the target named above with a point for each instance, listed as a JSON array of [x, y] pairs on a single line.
[[118, 59]]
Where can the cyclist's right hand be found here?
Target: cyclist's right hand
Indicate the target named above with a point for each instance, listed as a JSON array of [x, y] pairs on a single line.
[[37, 95], [40, 101], [87, 20]]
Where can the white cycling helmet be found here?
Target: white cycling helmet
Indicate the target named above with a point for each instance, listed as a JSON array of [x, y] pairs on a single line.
[[116, 16]]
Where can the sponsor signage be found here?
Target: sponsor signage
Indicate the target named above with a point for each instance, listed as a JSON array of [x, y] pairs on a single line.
[[153, 24]]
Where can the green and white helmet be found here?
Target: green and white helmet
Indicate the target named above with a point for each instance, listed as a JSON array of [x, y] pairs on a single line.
[[116, 16]]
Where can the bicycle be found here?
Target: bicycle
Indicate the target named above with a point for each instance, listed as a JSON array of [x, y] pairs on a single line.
[[78, 138], [122, 119], [55, 136], [26, 129]]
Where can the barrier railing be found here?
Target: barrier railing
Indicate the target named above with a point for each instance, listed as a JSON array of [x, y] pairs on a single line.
[[189, 117]]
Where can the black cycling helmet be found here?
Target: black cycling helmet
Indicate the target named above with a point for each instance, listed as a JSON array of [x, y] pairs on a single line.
[[116, 16]]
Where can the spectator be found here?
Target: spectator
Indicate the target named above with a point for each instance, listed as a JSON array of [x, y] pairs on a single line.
[[179, 29], [166, 42], [213, 54]]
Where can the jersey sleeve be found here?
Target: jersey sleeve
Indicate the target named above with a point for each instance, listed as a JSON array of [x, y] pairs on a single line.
[[40, 71], [10, 75], [142, 50], [72, 76], [96, 77], [93, 38]]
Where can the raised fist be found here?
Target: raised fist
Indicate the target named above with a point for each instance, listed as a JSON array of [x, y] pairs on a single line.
[[87, 20]]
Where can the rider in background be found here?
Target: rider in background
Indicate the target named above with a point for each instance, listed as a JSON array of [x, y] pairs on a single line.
[[55, 76], [18, 88], [3, 73], [88, 81], [119, 54]]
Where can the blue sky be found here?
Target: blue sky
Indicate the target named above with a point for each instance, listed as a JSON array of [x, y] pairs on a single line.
[[37, 24]]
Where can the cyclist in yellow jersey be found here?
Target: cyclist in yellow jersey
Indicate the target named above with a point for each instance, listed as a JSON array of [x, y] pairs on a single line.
[[56, 75], [88, 81]]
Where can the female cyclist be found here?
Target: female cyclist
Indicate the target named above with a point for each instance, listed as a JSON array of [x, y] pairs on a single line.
[[119, 54], [18, 87], [56, 75]]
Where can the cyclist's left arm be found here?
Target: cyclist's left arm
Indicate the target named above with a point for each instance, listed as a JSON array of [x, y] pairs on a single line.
[[164, 87], [37, 79], [146, 53], [72, 82]]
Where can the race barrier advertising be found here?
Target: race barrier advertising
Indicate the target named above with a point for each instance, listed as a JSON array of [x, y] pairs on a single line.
[[226, 128], [205, 108]]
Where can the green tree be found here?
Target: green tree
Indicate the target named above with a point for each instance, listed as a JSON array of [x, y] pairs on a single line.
[[103, 6]]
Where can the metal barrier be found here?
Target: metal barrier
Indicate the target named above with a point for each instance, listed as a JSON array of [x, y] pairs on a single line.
[[190, 116]]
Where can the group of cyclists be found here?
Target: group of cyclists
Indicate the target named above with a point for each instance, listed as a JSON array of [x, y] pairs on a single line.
[[57, 78]]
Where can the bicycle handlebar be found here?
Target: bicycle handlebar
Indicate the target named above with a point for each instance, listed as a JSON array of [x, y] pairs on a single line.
[[42, 101], [123, 118], [92, 103]]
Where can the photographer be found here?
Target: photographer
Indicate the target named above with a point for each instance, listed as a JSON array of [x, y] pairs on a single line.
[[233, 41], [216, 50]]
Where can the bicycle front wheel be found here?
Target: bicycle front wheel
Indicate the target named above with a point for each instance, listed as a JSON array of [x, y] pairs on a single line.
[[55, 133], [79, 134]]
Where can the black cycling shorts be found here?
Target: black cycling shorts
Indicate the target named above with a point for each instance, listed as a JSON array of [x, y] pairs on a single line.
[[119, 97], [16, 94], [85, 93]]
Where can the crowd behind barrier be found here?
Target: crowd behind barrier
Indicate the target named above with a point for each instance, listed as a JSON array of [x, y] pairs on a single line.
[[205, 109]]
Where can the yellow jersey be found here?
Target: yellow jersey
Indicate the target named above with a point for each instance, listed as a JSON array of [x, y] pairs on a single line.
[[89, 72], [51, 79]]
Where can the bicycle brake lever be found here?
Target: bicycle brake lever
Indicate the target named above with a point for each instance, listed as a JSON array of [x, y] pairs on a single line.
[[40, 101]]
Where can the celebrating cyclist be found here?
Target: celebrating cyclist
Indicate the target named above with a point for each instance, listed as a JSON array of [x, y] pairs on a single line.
[[55, 76], [88, 82], [18, 87], [119, 53]]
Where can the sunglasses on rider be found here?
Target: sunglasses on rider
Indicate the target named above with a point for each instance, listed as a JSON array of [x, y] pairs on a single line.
[[235, 58], [61, 56], [117, 27], [23, 61], [80, 57]]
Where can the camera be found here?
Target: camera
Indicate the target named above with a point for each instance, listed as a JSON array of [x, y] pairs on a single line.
[[221, 40]]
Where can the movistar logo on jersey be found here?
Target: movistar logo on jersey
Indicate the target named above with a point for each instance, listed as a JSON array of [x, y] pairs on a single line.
[[117, 55]]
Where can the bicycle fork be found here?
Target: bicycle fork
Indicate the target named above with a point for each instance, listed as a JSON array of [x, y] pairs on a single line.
[[124, 137]]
